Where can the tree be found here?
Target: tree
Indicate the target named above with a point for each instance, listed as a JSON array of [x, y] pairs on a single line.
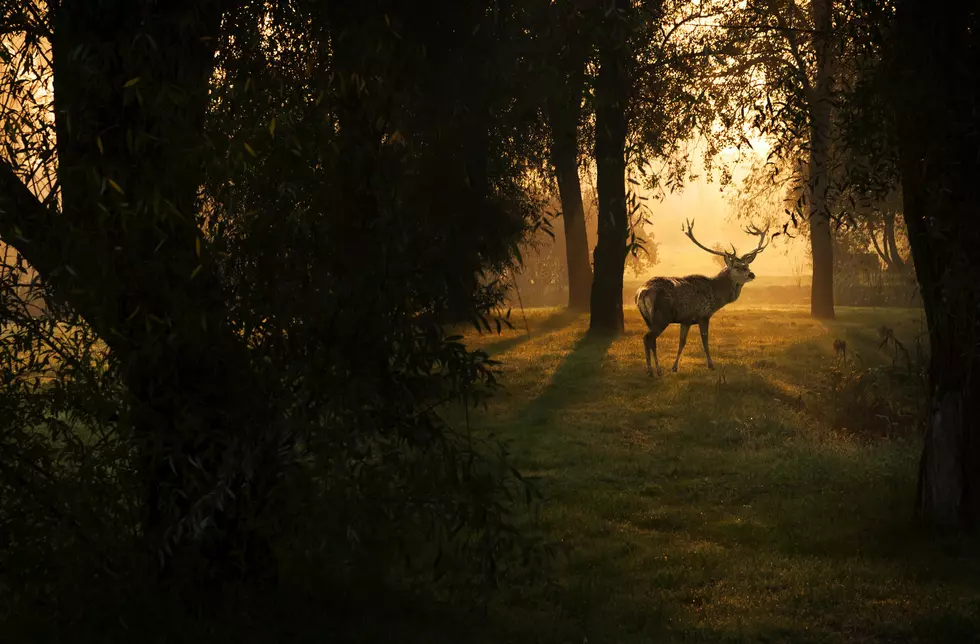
[[882, 228], [648, 102], [934, 90], [612, 95], [819, 103], [719, 260], [784, 74], [543, 273], [117, 100], [912, 112], [236, 184], [569, 51]]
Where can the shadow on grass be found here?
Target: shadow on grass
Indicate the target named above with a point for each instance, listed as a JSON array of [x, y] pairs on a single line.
[[734, 385], [949, 625], [574, 379], [758, 438], [533, 330]]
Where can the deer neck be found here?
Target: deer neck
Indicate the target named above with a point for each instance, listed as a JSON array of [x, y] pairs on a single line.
[[726, 289]]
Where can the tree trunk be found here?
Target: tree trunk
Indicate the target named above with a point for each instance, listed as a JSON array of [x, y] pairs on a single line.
[[935, 94], [564, 109], [895, 261], [821, 244], [127, 254], [611, 100]]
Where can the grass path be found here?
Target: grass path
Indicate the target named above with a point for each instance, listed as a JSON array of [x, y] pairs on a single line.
[[720, 505]]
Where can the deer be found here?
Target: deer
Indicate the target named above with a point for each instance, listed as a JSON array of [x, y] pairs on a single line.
[[695, 298]]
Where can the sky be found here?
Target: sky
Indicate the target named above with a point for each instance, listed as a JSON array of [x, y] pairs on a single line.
[[714, 222]]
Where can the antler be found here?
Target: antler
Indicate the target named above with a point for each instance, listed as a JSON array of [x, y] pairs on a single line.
[[690, 234], [762, 234]]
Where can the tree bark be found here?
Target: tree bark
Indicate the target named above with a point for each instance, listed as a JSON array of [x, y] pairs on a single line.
[[612, 97], [564, 110], [935, 94], [131, 82], [821, 244]]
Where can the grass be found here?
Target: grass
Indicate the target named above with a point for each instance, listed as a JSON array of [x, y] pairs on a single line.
[[719, 506]]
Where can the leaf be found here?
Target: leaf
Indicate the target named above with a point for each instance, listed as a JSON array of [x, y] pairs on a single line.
[[131, 82], [272, 127], [250, 150], [98, 144], [197, 246], [115, 186], [196, 271]]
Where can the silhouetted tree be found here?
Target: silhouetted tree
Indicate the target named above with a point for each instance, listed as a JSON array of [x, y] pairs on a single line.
[[612, 96], [569, 49], [264, 216], [934, 92], [912, 112]]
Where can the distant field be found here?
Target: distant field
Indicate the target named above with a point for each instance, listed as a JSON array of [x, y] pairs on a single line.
[[734, 505]]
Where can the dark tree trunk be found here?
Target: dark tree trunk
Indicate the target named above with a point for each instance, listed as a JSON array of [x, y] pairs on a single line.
[[895, 261], [936, 91], [131, 90], [611, 100], [564, 110], [821, 244]]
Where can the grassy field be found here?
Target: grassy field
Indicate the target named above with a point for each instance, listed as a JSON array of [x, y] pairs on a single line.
[[745, 504]]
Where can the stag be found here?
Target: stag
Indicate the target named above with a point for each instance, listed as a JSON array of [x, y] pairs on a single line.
[[694, 299]]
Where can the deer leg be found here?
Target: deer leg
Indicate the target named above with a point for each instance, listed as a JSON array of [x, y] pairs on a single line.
[[680, 347], [703, 325], [650, 346]]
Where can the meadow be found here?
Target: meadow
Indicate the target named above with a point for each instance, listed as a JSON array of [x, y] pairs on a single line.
[[770, 500]]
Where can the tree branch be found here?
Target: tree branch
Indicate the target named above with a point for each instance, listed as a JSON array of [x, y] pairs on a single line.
[[874, 240], [26, 224], [790, 35]]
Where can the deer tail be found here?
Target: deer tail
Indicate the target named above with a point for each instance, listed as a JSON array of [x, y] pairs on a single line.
[[645, 300]]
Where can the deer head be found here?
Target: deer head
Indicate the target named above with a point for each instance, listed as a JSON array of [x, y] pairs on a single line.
[[738, 265]]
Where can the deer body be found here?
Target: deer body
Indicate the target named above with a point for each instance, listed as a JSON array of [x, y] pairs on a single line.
[[686, 300], [691, 300]]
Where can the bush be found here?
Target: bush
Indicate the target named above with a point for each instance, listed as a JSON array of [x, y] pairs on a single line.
[[877, 401]]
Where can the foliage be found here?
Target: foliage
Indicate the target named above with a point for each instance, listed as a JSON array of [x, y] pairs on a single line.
[[675, 45], [363, 176]]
